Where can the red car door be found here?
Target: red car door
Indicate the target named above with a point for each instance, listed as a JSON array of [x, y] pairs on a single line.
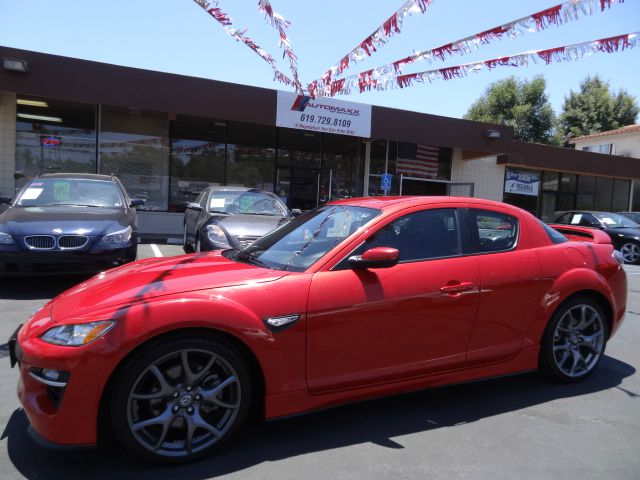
[[511, 285], [383, 324]]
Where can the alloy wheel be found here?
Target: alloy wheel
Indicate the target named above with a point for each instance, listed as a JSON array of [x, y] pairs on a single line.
[[630, 252], [183, 403], [578, 340]]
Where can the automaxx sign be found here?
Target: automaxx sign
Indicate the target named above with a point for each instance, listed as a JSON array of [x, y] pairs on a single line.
[[323, 115]]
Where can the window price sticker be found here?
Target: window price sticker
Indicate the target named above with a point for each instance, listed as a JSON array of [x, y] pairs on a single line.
[[323, 115]]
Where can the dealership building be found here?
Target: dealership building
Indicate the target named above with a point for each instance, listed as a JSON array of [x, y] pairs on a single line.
[[168, 136]]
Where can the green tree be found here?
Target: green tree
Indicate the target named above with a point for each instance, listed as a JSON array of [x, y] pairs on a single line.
[[595, 108], [522, 105]]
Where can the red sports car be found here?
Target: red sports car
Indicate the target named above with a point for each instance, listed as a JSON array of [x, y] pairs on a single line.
[[356, 299]]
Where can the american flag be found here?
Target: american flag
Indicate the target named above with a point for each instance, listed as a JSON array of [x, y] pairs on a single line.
[[415, 160]]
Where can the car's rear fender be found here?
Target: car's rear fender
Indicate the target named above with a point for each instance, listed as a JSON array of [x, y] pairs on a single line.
[[577, 281]]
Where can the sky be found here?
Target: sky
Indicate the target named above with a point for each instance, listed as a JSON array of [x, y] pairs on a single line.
[[178, 36]]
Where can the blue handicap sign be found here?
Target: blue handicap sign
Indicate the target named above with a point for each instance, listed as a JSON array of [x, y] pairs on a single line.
[[386, 181]]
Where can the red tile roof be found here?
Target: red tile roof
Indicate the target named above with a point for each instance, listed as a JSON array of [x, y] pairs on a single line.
[[627, 129]]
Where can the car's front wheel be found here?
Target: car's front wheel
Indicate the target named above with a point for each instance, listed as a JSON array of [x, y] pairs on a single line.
[[631, 252], [181, 399], [186, 246], [574, 340]]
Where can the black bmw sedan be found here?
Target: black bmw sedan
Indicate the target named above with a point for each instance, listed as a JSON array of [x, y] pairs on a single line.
[[624, 233], [68, 223], [231, 217]]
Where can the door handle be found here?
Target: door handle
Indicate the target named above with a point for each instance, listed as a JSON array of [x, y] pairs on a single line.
[[457, 288]]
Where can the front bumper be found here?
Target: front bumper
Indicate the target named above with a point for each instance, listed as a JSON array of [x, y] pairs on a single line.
[[65, 416], [33, 263]]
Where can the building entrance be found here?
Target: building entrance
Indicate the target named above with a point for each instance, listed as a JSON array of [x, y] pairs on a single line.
[[298, 187]]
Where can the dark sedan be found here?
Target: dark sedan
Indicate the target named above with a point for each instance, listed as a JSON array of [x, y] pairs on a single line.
[[68, 223], [231, 217], [624, 233]]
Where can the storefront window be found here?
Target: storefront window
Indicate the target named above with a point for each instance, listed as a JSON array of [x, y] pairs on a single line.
[[53, 136], [550, 181], [521, 188], [251, 156], [197, 158], [604, 194], [548, 207], [565, 201], [134, 145], [568, 182], [342, 168], [586, 188], [621, 191]]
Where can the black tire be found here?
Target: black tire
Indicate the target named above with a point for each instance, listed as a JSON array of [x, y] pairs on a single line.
[[179, 415], [574, 341], [630, 251], [186, 246]]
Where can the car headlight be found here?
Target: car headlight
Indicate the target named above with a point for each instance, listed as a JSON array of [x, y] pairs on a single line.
[[6, 239], [117, 238], [77, 335], [216, 234]]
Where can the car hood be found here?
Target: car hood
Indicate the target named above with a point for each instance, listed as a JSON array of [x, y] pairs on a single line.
[[625, 232], [155, 277], [239, 225], [70, 220]]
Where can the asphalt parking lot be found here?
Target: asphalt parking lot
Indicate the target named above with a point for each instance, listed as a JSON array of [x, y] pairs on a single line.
[[511, 428]]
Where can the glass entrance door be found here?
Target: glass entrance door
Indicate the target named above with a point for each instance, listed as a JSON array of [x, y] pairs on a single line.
[[298, 187]]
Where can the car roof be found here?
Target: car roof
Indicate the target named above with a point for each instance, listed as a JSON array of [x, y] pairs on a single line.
[[79, 176], [593, 212], [408, 201]]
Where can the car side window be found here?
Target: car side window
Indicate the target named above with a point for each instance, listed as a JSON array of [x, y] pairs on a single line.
[[419, 236], [564, 219], [584, 220], [494, 231]]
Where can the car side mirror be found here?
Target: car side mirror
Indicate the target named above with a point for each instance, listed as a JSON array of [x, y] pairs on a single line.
[[6, 200], [136, 202], [296, 212], [378, 257], [194, 206]]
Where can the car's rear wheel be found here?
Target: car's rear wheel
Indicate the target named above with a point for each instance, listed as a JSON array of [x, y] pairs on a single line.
[[631, 252], [180, 399], [574, 341]]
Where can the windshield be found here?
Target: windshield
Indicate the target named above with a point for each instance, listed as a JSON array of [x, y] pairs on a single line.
[[613, 220], [49, 192], [246, 202], [300, 243]]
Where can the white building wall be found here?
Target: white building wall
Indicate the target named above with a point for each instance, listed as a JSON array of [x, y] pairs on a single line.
[[486, 175], [7, 143], [624, 144]]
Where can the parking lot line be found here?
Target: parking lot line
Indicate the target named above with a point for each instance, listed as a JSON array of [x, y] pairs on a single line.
[[156, 250]]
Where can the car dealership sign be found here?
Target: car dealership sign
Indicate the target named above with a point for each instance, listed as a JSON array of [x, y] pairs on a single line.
[[523, 183], [323, 115]]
